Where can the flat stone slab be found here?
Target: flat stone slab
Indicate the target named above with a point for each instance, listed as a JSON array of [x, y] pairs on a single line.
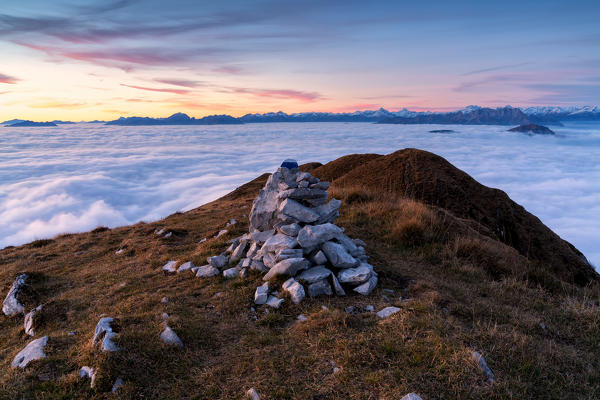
[[261, 237], [207, 271], [290, 229], [314, 235], [33, 351], [12, 305], [290, 266], [387, 312], [314, 274], [186, 266], [356, 275], [296, 210], [278, 242]]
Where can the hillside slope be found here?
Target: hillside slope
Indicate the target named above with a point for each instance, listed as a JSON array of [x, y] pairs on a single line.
[[432, 234]]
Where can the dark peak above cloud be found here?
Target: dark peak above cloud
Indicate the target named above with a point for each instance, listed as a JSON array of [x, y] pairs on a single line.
[[8, 79]]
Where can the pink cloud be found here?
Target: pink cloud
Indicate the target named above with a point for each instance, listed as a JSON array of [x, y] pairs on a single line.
[[162, 90], [8, 79], [230, 69], [287, 94]]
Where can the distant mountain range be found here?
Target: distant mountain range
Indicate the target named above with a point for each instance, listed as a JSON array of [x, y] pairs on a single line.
[[471, 115]]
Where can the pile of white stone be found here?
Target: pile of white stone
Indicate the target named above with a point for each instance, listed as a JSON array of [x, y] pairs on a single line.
[[292, 234]]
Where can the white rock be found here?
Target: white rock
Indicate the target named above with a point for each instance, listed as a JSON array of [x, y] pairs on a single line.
[[253, 250], [33, 351], [158, 231], [217, 261], [231, 222], [338, 255], [252, 394], [369, 308], [303, 176], [168, 235], [306, 194], [328, 212], [206, 271], [314, 235], [12, 305], [221, 233], [264, 206], [30, 320], [319, 288], [388, 311], [118, 383], [186, 266], [274, 302], [320, 185], [283, 254], [119, 251], [164, 300], [277, 242], [290, 266], [169, 337], [319, 258], [480, 361], [302, 318], [366, 288], [314, 274], [262, 293], [411, 396], [290, 229], [238, 252], [231, 273], [297, 211], [359, 274], [88, 372], [269, 260], [261, 237], [295, 289], [202, 240], [348, 244], [194, 270], [169, 267], [104, 332], [259, 266]]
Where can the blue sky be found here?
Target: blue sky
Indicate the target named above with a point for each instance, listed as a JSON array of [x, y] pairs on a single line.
[[101, 59]]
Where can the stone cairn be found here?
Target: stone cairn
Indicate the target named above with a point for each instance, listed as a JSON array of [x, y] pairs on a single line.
[[292, 234]]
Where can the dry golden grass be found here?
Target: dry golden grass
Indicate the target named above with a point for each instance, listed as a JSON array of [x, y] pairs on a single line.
[[457, 290]]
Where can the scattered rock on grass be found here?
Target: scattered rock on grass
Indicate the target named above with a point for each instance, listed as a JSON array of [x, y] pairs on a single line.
[[252, 394], [104, 332], [169, 267], [411, 396], [480, 361], [33, 351], [118, 383], [169, 337], [31, 320], [12, 305], [387, 312], [185, 266]]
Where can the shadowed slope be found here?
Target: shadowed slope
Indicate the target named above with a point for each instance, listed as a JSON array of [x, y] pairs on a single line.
[[429, 178]]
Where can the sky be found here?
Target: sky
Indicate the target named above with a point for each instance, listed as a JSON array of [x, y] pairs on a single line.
[[101, 59]]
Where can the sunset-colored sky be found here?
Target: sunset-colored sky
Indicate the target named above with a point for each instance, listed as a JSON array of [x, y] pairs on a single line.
[[101, 59]]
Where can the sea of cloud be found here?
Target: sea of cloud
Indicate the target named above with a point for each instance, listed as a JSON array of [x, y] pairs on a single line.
[[76, 177]]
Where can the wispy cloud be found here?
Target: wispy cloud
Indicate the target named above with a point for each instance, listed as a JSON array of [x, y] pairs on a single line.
[[57, 104], [162, 90], [8, 79], [180, 82], [228, 69], [287, 94], [496, 68]]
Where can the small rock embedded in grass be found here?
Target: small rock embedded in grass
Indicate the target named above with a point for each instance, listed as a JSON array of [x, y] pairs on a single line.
[[118, 383], [206, 271], [295, 289], [480, 361], [252, 394], [411, 396], [231, 273], [164, 300], [221, 233], [261, 294], [33, 351], [159, 231], [369, 308], [169, 267], [104, 332], [119, 251], [88, 372], [387, 312], [231, 222], [302, 318], [169, 337], [31, 320], [274, 302]]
